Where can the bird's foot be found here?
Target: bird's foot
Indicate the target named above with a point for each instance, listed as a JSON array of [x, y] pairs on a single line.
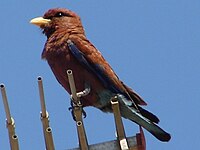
[[84, 113], [73, 105], [71, 109]]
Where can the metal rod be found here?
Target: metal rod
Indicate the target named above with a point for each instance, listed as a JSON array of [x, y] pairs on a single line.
[[13, 138], [78, 113], [10, 123], [119, 125], [41, 92], [80, 128], [47, 131], [72, 85], [5, 102]]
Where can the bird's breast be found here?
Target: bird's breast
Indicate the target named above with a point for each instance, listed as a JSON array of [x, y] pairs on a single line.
[[62, 61]]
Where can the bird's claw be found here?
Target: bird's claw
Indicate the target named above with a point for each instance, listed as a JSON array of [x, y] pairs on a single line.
[[84, 113], [72, 110]]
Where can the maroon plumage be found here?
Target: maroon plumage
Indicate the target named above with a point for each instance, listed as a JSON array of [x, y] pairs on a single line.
[[68, 48]]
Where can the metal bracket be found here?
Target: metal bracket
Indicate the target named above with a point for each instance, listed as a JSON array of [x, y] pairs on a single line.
[[10, 123], [47, 131]]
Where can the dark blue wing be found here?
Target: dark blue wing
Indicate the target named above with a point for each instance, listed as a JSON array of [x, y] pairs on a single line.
[[97, 69]]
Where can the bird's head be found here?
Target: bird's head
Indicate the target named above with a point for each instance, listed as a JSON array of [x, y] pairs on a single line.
[[58, 19]]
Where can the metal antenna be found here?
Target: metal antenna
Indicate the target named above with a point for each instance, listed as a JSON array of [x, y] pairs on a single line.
[[47, 131], [122, 143], [10, 123], [121, 137], [78, 113]]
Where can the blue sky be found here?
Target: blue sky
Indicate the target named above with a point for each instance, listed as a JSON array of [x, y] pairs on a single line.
[[153, 47]]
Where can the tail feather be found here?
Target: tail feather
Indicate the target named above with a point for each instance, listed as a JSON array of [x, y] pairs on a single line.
[[148, 115], [131, 114]]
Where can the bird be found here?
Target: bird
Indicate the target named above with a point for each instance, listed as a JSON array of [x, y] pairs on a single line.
[[67, 48]]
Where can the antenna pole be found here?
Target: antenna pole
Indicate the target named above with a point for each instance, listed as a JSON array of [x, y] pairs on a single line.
[[10, 123], [77, 110], [47, 131], [121, 137]]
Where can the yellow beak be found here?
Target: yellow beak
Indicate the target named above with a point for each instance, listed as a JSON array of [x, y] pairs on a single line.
[[39, 21]]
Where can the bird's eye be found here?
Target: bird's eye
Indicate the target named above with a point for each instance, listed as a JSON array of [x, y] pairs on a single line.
[[60, 14]]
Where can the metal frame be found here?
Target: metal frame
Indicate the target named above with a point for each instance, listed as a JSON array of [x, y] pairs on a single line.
[[132, 143], [121, 143]]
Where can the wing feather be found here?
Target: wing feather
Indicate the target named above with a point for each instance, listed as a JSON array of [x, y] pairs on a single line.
[[92, 59]]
